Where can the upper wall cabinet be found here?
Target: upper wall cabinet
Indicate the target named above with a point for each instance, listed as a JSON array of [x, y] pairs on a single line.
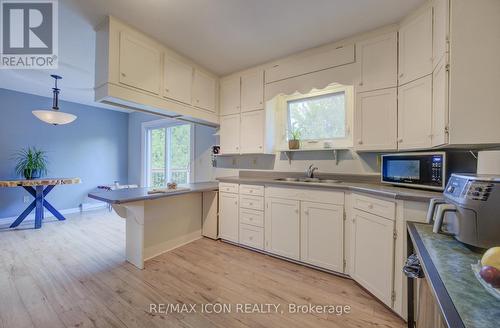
[[178, 80], [230, 134], [415, 47], [375, 122], [230, 96], [440, 32], [204, 89], [140, 64], [378, 59], [415, 114], [311, 61], [252, 91], [135, 72]]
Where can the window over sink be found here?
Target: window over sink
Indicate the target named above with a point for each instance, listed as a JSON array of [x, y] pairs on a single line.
[[322, 117]]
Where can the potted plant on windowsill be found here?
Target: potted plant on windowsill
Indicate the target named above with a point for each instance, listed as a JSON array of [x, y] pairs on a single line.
[[294, 140], [31, 163]]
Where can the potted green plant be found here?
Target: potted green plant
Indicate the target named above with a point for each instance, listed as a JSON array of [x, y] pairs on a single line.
[[31, 163], [294, 138]]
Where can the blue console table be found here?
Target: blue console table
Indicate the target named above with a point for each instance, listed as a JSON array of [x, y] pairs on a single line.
[[38, 188]]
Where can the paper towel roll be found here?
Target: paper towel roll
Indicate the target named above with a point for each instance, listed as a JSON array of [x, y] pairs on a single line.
[[488, 162]]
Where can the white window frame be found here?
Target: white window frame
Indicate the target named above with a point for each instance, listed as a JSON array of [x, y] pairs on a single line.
[[345, 142], [145, 149]]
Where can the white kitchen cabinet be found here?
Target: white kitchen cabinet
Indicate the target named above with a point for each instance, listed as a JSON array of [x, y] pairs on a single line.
[[230, 134], [376, 120], [440, 30], [204, 90], [282, 227], [178, 80], [322, 235], [415, 114], [378, 59], [415, 47], [372, 249], [140, 64], [252, 90], [440, 105], [230, 96], [252, 132], [228, 216]]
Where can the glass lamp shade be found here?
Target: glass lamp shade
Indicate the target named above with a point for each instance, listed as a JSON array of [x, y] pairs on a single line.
[[54, 117]]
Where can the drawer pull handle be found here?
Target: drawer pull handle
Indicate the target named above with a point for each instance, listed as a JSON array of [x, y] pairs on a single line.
[[251, 204], [370, 206]]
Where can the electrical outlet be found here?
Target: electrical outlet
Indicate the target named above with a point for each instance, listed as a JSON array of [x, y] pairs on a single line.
[[26, 199], [254, 161]]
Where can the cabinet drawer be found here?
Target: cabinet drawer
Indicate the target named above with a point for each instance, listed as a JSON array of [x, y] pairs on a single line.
[[307, 194], [228, 187], [375, 206], [252, 217], [252, 190], [252, 202], [252, 236]]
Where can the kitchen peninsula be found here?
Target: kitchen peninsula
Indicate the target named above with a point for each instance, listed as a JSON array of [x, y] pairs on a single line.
[[158, 222]]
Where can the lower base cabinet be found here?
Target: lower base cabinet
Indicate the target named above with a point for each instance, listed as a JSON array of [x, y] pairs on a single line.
[[252, 236], [228, 216], [282, 227], [322, 235], [372, 248]]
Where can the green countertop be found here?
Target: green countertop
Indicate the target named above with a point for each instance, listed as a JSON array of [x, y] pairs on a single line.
[[452, 260]]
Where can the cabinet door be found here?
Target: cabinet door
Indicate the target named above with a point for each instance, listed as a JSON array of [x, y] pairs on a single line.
[[178, 80], [372, 241], [140, 64], [252, 132], [230, 134], [440, 105], [415, 47], [414, 114], [440, 30], [379, 62], [230, 96], [322, 235], [376, 120], [204, 91], [228, 216], [252, 91], [282, 227]]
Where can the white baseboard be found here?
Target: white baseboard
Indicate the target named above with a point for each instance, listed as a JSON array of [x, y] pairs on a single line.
[[46, 214], [154, 251]]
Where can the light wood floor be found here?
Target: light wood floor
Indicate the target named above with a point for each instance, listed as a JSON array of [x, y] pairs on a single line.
[[73, 274]]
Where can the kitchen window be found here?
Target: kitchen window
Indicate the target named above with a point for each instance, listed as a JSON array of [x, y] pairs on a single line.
[[322, 116], [168, 153]]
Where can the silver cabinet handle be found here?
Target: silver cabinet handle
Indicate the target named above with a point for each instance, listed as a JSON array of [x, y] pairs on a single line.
[[124, 75], [401, 75], [400, 140], [360, 142]]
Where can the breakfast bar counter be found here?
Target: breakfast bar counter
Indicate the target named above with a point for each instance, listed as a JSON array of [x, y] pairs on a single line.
[[446, 262], [160, 221]]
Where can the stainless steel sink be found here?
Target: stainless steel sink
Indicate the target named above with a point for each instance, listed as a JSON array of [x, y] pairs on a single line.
[[309, 180]]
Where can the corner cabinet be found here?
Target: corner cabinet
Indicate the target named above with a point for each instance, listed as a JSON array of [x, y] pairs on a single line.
[[376, 120], [282, 227], [322, 235], [140, 64], [135, 72]]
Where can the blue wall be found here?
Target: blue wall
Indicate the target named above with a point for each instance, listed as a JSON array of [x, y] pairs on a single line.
[[94, 148]]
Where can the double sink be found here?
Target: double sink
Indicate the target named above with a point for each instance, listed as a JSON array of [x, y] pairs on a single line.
[[309, 180]]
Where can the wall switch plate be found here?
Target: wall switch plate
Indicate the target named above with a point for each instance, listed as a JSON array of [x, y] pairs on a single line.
[[26, 199]]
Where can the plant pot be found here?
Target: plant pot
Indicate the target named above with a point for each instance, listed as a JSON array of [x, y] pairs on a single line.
[[32, 174], [293, 144]]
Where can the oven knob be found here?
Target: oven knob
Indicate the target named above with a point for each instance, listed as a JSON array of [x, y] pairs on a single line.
[[451, 189], [479, 189]]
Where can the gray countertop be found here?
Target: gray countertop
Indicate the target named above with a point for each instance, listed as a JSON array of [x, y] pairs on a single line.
[[447, 264], [370, 188], [136, 194]]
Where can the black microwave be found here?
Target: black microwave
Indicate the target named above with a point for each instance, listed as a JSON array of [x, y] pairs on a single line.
[[417, 170]]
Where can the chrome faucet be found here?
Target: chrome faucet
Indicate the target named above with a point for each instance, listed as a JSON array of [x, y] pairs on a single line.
[[310, 171]]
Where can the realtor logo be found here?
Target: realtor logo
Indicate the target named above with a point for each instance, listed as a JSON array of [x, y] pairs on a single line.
[[28, 34]]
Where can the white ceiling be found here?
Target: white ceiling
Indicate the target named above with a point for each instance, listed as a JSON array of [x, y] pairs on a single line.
[[222, 35]]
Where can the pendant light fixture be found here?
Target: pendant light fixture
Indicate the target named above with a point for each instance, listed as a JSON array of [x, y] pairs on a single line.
[[54, 116]]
